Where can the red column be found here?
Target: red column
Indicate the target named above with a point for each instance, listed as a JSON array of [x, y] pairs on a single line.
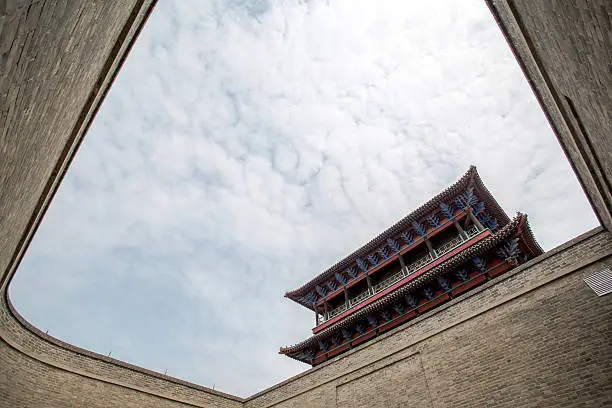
[[475, 220]]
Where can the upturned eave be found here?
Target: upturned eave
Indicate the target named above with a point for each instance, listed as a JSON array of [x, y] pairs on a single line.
[[468, 180]]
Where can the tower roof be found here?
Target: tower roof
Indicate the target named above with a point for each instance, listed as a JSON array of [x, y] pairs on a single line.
[[470, 179], [518, 227]]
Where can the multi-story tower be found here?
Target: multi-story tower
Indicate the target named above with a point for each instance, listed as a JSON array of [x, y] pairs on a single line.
[[456, 241]]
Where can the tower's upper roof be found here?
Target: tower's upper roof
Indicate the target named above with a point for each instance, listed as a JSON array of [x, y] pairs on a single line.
[[470, 180], [518, 227]]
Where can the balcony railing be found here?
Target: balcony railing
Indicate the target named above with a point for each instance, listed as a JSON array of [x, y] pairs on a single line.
[[447, 246], [402, 273], [472, 232], [335, 312]]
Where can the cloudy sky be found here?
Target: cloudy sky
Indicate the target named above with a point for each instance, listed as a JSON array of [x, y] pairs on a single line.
[[248, 145]]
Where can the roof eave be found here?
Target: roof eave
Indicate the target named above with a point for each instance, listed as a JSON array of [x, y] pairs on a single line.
[[518, 221], [470, 178]]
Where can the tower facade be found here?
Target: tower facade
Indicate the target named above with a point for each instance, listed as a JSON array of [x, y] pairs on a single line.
[[456, 241]]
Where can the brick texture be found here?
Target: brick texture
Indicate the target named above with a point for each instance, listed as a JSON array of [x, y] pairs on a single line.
[[537, 336], [564, 49], [56, 58], [28, 383], [33, 364], [386, 388]]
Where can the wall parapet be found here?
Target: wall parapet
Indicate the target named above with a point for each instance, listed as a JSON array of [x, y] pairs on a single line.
[[576, 254]]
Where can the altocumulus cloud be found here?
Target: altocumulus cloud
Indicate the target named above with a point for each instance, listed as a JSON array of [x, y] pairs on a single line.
[[246, 146]]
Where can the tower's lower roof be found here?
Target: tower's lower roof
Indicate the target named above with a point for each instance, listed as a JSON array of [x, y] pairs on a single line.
[[519, 226]]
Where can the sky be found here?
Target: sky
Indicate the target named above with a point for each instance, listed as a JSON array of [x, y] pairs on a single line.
[[246, 146]]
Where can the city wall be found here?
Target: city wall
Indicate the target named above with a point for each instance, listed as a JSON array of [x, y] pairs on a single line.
[[537, 336], [563, 48], [58, 59]]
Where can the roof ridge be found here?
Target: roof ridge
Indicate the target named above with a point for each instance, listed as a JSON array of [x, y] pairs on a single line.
[[531, 236], [469, 178], [518, 220]]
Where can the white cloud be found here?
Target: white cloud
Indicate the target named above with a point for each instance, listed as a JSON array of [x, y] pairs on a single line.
[[246, 146]]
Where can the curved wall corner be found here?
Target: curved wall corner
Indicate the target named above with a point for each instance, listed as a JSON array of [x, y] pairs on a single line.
[[58, 60], [39, 370]]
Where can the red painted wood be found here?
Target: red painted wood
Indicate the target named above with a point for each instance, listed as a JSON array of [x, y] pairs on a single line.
[[433, 303], [500, 269], [417, 241], [363, 338], [319, 359], [393, 323], [338, 350], [404, 281], [495, 263], [468, 285]]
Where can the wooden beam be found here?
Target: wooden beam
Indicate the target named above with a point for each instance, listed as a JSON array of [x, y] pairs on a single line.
[[475, 220], [459, 229]]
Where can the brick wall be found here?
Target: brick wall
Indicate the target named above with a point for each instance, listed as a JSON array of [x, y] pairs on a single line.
[[537, 336], [563, 48], [26, 382], [57, 60], [38, 370]]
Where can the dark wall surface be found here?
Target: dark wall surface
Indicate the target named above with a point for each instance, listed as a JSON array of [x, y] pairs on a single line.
[[564, 50], [57, 60]]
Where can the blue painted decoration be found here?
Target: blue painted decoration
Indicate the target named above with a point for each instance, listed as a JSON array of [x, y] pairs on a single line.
[[447, 210], [373, 259], [434, 221], [492, 224], [399, 308], [419, 228], [466, 199], [480, 264], [332, 285], [412, 300], [478, 208], [310, 298], [462, 275], [341, 278], [352, 272], [510, 249], [322, 291], [394, 245], [384, 253], [484, 217], [429, 293], [346, 334], [444, 283], [407, 238], [363, 265]]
